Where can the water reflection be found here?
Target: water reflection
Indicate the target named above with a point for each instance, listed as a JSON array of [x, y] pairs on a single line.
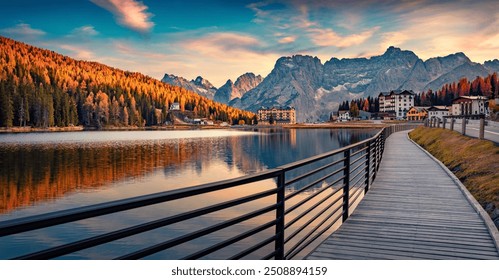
[[29, 174], [37, 178]]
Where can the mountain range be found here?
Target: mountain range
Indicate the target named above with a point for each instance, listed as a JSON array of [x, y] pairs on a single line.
[[200, 85], [315, 89], [225, 94]]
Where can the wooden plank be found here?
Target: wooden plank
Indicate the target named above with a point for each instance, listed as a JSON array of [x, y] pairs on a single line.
[[410, 229], [402, 238], [440, 234], [402, 222], [393, 253], [413, 210], [428, 245]]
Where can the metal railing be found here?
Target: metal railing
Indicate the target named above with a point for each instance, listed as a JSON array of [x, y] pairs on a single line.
[[335, 180]]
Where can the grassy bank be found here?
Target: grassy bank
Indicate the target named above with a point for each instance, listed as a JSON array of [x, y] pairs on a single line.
[[475, 162]]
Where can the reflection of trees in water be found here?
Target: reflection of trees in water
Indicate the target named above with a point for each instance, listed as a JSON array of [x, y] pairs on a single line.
[[29, 174]]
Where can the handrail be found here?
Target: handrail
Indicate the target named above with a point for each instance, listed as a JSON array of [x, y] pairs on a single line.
[[289, 237]]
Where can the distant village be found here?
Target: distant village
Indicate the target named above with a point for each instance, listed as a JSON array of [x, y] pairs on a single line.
[[399, 105], [393, 105]]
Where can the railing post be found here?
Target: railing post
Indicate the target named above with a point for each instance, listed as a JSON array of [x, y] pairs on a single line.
[[481, 136], [346, 185], [452, 121], [368, 167], [279, 229], [444, 121], [463, 126], [375, 157], [382, 145]]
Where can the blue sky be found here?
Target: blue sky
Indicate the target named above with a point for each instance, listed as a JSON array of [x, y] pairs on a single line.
[[221, 40]]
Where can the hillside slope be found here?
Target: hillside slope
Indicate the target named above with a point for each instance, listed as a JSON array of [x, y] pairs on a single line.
[[41, 88]]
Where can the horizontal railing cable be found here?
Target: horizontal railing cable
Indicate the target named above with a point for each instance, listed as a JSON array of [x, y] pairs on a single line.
[[306, 224], [230, 241], [308, 174], [254, 248], [182, 239]]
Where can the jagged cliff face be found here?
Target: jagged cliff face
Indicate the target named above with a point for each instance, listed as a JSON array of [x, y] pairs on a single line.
[[293, 81], [315, 89], [230, 91], [200, 85]]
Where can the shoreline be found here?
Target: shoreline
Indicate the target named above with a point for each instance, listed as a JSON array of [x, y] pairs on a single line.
[[81, 128], [342, 125]]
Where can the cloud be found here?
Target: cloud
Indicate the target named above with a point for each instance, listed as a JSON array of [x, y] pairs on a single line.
[[24, 31], [78, 52], [327, 37], [446, 29], [219, 56], [222, 43], [287, 39], [84, 31], [129, 13], [129, 50], [261, 15]]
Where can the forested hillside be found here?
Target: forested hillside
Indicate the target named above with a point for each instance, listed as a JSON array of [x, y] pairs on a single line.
[[41, 88]]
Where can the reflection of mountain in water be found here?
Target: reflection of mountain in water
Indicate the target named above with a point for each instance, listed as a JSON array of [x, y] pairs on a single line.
[[33, 173], [276, 147]]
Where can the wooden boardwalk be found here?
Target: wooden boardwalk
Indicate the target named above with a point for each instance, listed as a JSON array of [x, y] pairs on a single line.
[[414, 210]]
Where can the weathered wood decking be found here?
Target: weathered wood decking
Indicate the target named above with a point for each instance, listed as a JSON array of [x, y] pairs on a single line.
[[414, 210]]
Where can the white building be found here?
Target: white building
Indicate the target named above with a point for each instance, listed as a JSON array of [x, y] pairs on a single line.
[[396, 102], [175, 106], [470, 105], [343, 115], [276, 115], [438, 112]]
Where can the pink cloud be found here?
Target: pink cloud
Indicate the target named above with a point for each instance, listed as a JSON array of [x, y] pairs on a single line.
[[327, 37], [287, 39], [129, 13], [218, 56], [222, 43]]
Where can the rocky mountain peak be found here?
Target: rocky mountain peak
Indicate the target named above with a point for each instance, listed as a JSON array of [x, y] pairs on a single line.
[[248, 81], [392, 50], [230, 91], [200, 85], [297, 60], [398, 55], [202, 82]]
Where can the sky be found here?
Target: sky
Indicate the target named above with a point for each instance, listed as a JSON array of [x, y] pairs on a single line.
[[221, 40]]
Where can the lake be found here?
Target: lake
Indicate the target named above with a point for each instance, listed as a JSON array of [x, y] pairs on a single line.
[[44, 172]]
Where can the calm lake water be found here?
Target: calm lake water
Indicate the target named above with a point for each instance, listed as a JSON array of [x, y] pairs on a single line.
[[44, 172]]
